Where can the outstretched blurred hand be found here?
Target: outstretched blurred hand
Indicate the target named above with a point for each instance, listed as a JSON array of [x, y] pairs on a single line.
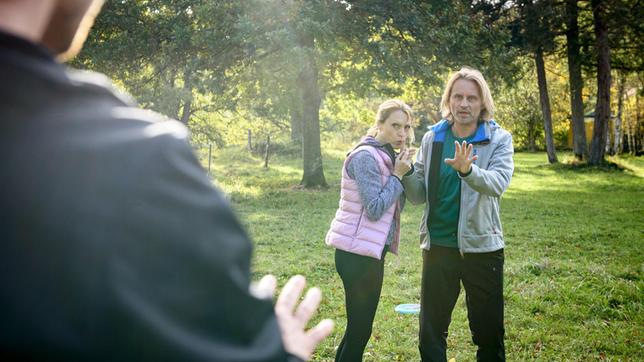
[[292, 318]]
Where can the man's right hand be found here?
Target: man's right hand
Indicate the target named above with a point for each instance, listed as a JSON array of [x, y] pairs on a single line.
[[293, 318]]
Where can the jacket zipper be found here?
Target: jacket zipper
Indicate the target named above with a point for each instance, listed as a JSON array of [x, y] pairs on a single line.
[[460, 220]]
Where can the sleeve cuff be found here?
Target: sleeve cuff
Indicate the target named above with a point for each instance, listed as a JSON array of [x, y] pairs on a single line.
[[411, 171], [465, 174]]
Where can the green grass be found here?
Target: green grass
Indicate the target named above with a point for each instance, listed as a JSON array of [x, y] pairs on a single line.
[[574, 257]]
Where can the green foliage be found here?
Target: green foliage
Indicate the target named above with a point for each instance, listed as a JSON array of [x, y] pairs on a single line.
[[573, 258], [624, 35], [518, 110], [163, 51], [229, 66]]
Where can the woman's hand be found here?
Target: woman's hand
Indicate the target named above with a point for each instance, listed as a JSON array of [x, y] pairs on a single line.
[[403, 162]]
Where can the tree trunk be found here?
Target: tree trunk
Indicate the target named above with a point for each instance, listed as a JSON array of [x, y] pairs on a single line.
[[309, 90], [579, 147], [545, 106], [602, 109], [629, 140], [617, 130], [187, 97], [267, 151], [630, 127], [635, 130], [532, 131], [185, 114], [607, 143], [295, 112]]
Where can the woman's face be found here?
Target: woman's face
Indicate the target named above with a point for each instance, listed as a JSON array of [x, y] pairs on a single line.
[[395, 129]]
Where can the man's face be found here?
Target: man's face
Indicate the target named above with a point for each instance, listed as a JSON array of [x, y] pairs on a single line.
[[70, 22], [465, 101]]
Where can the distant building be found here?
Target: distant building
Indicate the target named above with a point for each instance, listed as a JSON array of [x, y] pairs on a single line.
[[589, 124]]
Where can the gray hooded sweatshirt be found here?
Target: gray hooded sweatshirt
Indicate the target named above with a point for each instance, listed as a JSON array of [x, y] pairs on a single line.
[[479, 224]]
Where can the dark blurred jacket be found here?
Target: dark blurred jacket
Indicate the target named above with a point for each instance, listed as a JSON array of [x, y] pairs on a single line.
[[113, 243]]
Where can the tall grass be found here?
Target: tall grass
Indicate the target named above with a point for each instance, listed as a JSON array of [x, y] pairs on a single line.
[[574, 257]]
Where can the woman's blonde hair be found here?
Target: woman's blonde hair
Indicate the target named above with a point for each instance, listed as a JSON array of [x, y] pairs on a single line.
[[388, 107], [487, 111]]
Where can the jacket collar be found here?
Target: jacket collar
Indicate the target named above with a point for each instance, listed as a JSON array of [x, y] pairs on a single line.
[[10, 42], [26, 56], [482, 134], [371, 141]]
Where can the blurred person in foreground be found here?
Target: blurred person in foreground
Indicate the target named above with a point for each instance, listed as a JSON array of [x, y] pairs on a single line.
[[463, 168], [114, 244]]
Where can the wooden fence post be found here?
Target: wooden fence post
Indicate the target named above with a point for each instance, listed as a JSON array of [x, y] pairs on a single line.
[[268, 145]]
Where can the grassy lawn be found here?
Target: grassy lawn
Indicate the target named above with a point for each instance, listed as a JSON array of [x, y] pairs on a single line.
[[574, 257]]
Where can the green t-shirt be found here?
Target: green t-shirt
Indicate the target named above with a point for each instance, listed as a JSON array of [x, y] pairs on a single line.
[[443, 217]]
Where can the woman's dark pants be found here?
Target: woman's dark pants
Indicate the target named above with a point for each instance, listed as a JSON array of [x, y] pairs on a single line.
[[482, 276], [362, 279]]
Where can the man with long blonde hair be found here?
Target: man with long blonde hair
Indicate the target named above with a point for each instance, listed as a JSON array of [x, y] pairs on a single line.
[[464, 166]]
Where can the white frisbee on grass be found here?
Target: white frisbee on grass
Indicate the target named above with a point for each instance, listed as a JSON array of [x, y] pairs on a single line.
[[410, 308]]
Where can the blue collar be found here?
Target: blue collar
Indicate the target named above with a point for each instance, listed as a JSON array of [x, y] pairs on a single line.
[[480, 136]]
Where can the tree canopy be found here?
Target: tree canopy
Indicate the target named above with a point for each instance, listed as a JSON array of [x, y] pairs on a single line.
[[288, 67]]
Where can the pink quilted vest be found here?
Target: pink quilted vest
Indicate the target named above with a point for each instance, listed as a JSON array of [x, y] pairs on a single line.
[[351, 230]]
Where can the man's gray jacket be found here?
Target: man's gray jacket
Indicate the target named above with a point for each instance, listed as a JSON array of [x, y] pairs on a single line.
[[479, 222]]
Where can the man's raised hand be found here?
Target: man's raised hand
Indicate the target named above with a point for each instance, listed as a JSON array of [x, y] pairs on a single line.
[[293, 317], [463, 159]]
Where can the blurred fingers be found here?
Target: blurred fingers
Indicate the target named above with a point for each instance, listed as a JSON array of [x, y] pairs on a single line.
[[290, 295], [320, 331], [309, 305], [265, 288]]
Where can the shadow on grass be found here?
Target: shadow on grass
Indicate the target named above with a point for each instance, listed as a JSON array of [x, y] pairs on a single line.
[[584, 167]]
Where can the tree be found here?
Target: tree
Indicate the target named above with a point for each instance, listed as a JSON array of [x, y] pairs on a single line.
[[602, 109], [361, 47], [518, 105], [307, 82], [545, 106], [275, 60], [580, 149], [166, 51], [618, 133], [533, 30]]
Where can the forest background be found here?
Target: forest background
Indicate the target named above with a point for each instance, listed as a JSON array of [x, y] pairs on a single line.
[[564, 74], [275, 92]]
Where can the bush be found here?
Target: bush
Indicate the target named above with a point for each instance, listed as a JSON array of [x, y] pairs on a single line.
[[278, 147]]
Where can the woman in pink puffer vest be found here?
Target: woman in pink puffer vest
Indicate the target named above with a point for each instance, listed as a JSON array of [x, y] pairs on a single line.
[[367, 223]]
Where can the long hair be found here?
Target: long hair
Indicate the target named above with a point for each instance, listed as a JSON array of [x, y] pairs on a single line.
[[385, 109], [487, 111]]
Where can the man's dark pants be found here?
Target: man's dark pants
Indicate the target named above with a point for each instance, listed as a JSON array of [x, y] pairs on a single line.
[[482, 275]]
